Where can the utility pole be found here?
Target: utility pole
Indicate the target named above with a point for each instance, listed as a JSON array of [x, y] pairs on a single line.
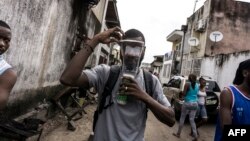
[[195, 2], [184, 30]]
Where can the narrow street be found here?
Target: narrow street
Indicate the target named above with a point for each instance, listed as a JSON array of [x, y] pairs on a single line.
[[156, 131], [52, 51], [56, 130]]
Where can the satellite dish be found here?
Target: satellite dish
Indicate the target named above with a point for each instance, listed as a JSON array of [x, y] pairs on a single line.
[[216, 36], [193, 41]]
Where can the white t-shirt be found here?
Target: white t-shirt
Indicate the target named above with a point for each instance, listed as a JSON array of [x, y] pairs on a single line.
[[201, 97], [3, 65]]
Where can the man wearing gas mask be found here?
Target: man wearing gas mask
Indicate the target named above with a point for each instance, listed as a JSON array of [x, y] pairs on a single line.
[[122, 108]]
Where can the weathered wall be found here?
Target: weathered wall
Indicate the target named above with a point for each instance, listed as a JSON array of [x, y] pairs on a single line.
[[43, 32], [223, 67], [232, 19]]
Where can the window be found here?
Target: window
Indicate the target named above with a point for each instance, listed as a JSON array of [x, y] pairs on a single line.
[[169, 70], [178, 47], [196, 67], [186, 67], [174, 83], [168, 56], [103, 57], [212, 86], [164, 70], [191, 66]]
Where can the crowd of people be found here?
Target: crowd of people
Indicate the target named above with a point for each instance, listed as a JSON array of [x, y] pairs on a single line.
[[127, 121]]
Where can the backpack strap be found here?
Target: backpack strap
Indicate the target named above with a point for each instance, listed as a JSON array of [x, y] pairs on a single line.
[[148, 79], [113, 77]]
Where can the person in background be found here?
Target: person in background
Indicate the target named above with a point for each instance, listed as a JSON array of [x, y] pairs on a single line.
[[8, 76], [202, 112], [235, 101], [189, 106]]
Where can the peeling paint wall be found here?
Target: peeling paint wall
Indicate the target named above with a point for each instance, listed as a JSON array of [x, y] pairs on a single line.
[[232, 19], [43, 33], [39, 40], [223, 67]]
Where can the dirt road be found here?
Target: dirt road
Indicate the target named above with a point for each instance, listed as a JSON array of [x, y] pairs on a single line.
[[56, 130], [156, 131]]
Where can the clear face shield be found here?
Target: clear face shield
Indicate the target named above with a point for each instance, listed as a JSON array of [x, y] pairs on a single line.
[[131, 52]]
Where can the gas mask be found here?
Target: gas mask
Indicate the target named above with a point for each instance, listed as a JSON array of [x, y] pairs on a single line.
[[131, 52]]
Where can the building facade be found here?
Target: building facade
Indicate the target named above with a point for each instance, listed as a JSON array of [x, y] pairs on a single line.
[[221, 28]]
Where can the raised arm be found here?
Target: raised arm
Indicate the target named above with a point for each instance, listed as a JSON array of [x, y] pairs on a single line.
[[72, 75], [7, 82]]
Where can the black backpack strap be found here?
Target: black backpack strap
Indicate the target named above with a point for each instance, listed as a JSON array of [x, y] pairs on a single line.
[[148, 79], [113, 77]]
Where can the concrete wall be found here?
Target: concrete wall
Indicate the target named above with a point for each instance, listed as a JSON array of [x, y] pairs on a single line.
[[223, 67], [231, 18], [43, 32]]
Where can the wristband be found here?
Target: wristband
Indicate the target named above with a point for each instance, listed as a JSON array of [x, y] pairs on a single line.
[[90, 47]]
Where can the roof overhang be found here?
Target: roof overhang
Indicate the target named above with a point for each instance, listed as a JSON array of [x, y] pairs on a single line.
[[176, 35], [112, 17], [158, 61], [158, 56], [156, 64]]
